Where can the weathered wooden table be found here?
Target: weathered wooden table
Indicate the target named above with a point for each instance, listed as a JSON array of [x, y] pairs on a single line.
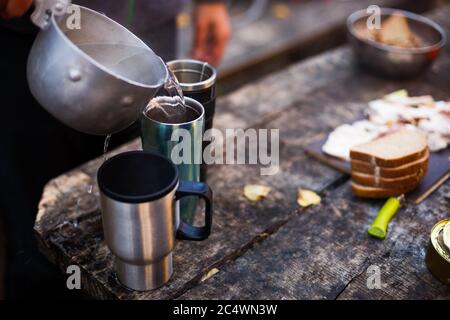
[[274, 249]]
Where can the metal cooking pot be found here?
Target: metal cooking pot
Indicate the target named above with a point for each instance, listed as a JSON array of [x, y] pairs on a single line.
[[96, 78]]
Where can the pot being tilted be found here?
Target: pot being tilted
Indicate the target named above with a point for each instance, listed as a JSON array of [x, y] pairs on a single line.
[[96, 77]]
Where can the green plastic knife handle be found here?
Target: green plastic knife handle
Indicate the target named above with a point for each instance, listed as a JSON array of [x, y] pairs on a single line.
[[379, 226]]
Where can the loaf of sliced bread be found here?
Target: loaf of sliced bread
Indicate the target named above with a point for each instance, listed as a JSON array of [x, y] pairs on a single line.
[[389, 183], [377, 193], [394, 172], [393, 150]]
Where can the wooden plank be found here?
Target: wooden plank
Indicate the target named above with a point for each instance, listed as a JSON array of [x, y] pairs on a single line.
[[71, 231], [325, 252], [404, 274]]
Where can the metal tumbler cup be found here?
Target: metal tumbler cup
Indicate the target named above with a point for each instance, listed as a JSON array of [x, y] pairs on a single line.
[[138, 193], [198, 81], [157, 137]]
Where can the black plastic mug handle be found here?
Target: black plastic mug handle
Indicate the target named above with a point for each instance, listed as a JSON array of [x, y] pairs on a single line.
[[202, 190]]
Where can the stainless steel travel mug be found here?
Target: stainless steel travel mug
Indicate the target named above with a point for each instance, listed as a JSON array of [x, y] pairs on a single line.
[[138, 191], [157, 137], [198, 81]]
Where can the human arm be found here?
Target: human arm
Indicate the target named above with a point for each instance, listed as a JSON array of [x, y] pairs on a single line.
[[212, 30]]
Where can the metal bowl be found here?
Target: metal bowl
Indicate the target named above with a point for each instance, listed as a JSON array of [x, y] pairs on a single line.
[[393, 61]]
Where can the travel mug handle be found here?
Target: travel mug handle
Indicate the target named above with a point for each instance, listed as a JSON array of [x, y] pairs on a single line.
[[186, 231]]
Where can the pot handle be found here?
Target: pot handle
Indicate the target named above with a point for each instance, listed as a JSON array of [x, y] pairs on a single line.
[[44, 9]]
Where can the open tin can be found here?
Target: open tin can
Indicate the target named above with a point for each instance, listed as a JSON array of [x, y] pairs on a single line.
[[438, 254]]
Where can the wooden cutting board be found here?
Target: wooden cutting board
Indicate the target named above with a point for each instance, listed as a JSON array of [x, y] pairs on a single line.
[[438, 169]]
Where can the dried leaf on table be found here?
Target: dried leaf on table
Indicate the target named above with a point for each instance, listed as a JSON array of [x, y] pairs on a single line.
[[306, 198], [254, 192], [210, 274]]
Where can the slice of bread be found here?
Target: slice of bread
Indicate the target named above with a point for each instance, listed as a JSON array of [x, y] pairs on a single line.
[[407, 169], [390, 183], [393, 150], [379, 193]]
